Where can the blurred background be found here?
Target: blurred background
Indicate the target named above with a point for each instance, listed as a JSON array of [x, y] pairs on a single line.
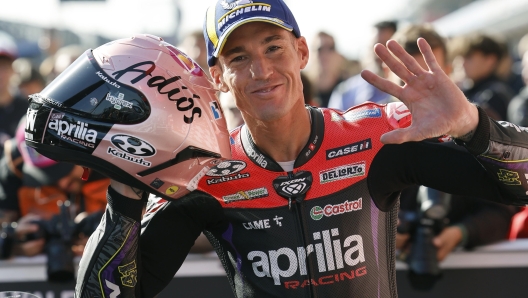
[[41, 26]]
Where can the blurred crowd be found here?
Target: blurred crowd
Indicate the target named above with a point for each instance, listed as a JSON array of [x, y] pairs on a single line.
[[38, 194]]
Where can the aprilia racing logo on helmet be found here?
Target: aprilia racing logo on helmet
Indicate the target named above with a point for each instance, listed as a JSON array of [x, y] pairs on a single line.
[[76, 132], [316, 213]]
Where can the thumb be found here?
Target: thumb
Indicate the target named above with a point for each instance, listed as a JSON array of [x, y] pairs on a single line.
[[397, 136]]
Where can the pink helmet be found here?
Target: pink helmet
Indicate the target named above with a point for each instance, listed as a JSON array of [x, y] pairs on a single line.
[[136, 109]]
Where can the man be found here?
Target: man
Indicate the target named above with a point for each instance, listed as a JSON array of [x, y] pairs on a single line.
[[12, 105], [327, 68], [482, 55], [356, 90], [308, 205]]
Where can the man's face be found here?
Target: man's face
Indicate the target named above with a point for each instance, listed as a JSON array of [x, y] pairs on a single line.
[[260, 64], [478, 66]]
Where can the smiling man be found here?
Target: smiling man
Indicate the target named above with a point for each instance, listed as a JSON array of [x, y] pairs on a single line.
[[307, 206]]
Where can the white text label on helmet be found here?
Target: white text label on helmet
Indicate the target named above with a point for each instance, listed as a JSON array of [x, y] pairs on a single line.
[[77, 133]]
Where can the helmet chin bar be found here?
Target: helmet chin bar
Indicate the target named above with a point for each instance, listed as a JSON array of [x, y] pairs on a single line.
[[186, 154], [89, 161]]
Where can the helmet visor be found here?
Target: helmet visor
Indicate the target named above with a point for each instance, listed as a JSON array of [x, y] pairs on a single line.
[[85, 90]]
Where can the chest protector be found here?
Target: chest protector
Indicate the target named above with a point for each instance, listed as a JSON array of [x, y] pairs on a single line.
[[314, 231]]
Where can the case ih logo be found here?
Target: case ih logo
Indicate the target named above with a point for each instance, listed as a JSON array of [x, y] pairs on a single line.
[[133, 145], [349, 149], [227, 168], [348, 206]]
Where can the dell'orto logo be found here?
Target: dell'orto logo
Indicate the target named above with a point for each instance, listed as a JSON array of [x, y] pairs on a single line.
[[133, 145], [227, 168], [288, 187]]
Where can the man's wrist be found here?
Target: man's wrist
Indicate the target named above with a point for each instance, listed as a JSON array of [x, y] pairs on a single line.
[[479, 141]]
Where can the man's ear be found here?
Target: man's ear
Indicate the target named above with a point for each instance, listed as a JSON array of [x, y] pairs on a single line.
[[302, 50], [218, 80]]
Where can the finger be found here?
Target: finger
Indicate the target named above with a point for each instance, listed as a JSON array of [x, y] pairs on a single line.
[[399, 136], [381, 83], [409, 62], [392, 63], [428, 55]]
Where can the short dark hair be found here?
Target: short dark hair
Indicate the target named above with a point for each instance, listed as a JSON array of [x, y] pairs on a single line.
[[393, 25], [478, 42], [408, 35]]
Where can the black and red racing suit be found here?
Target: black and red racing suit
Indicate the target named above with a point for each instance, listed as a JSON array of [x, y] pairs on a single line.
[[325, 229]]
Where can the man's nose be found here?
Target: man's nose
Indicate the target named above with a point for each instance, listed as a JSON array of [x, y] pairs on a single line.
[[261, 68]]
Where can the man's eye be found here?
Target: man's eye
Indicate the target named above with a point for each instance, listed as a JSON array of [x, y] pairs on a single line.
[[238, 59], [273, 48]]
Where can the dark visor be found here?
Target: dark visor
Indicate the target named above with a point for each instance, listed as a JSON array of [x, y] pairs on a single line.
[[84, 89]]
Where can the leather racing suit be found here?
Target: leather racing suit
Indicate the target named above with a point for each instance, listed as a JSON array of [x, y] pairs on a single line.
[[325, 229]]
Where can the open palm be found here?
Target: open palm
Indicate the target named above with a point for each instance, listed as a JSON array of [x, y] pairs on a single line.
[[437, 105]]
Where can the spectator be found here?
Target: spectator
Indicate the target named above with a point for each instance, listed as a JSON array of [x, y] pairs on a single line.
[[471, 221], [407, 37], [31, 186], [53, 65], [30, 81], [12, 105], [356, 90], [481, 55], [326, 68], [518, 108]]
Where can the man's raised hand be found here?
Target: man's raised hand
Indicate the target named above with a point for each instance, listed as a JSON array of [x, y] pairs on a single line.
[[437, 105]]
